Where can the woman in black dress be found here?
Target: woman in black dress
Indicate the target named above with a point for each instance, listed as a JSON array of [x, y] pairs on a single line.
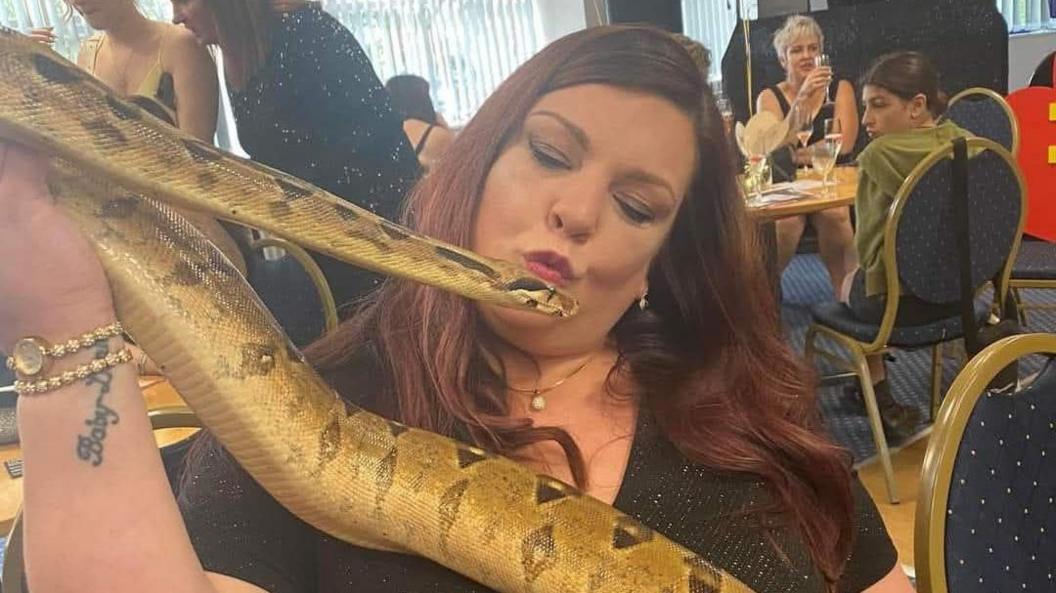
[[671, 394], [307, 101]]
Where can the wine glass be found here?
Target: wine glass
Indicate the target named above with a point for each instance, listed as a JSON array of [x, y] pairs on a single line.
[[722, 102], [824, 61], [824, 154], [803, 120], [834, 133]]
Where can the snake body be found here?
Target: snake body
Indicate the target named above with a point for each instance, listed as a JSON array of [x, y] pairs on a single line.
[[362, 478]]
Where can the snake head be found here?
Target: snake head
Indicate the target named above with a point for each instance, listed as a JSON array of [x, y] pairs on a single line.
[[542, 297]]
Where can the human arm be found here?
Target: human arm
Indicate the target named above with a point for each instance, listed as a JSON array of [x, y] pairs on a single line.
[[873, 565], [197, 90], [847, 114], [195, 81], [767, 101], [99, 514]]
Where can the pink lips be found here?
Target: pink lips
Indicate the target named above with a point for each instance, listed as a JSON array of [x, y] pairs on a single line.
[[550, 266]]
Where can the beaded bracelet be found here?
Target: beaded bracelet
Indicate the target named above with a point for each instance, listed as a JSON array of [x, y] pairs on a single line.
[[80, 372]]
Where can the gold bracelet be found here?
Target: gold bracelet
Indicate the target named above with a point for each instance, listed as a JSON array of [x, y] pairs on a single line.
[[81, 372], [31, 356]]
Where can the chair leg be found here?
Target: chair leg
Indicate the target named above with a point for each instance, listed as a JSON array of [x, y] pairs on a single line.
[[936, 379], [808, 345], [1021, 309], [873, 411]]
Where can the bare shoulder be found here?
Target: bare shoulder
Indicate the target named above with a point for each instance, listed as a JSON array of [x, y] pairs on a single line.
[[181, 46], [767, 101]]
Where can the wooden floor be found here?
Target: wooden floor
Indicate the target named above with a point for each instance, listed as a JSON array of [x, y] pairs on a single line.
[[898, 517]]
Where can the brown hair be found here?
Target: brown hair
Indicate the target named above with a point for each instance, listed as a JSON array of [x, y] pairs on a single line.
[[908, 74], [707, 355], [244, 31]]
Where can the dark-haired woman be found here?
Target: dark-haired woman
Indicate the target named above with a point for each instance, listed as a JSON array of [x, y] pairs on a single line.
[[671, 394], [903, 103], [307, 101], [425, 128]]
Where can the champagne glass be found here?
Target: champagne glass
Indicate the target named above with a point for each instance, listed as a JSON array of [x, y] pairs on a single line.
[[804, 126], [824, 61], [834, 133], [722, 102], [823, 157]]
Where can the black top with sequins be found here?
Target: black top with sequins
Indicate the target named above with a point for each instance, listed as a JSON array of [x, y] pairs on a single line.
[[317, 110], [239, 530]]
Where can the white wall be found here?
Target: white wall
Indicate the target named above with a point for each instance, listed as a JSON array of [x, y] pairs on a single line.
[[557, 18], [1025, 52]]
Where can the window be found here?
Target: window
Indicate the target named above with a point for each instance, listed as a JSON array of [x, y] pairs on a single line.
[[464, 48], [711, 22], [1028, 15]]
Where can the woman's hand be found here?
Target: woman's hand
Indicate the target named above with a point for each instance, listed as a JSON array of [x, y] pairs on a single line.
[[45, 35], [812, 93], [53, 283]]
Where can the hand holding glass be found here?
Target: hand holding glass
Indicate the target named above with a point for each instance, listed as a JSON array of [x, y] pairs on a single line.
[[823, 61]]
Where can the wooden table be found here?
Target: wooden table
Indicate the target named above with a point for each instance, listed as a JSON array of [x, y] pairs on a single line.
[[767, 213], [158, 394], [845, 190]]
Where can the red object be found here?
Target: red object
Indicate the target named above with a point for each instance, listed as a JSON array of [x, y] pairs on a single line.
[[1034, 108]]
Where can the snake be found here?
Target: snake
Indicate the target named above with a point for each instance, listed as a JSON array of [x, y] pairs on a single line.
[[364, 479]]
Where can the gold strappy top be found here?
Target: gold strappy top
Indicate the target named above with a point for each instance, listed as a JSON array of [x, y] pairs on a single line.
[[157, 86]]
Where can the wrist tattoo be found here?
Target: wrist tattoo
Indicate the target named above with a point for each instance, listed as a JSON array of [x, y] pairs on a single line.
[[90, 446]]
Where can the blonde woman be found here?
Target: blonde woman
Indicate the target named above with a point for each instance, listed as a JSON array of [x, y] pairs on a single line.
[[162, 68], [803, 93]]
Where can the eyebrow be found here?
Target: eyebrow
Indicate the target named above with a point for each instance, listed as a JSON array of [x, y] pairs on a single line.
[[640, 176], [581, 137], [577, 132]]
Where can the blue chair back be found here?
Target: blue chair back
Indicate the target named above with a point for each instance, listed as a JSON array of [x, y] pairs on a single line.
[[926, 246], [1001, 511], [985, 114]]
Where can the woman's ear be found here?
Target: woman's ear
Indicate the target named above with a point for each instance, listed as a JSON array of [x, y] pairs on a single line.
[[918, 107]]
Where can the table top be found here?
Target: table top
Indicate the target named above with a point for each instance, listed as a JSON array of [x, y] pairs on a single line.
[[846, 189]]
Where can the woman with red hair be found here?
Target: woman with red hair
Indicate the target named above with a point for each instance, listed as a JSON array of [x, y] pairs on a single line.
[[601, 166]]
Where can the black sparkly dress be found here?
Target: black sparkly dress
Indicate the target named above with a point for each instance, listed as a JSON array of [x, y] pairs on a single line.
[[317, 110], [239, 530]]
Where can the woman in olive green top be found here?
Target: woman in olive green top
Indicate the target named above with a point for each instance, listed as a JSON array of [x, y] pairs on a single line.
[[902, 105]]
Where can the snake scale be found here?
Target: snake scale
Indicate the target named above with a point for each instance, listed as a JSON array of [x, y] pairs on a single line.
[[354, 475]]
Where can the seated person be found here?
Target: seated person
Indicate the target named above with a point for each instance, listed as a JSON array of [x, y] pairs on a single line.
[[425, 128], [902, 106], [160, 67], [803, 95], [670, 394]]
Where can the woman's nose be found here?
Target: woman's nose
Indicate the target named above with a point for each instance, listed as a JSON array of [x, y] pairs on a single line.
[[577, 211]]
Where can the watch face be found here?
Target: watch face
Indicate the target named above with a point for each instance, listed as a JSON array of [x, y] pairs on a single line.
[[29, 356]]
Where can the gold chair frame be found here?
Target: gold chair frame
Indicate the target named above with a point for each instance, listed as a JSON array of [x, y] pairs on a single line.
[[979, 91], [322, 287], [929, 534], [860, 350]]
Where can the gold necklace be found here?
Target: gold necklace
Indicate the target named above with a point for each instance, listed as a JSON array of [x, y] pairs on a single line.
[[538, 402]]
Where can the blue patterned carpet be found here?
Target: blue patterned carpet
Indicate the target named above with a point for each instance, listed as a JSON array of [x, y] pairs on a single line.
[[804, 283]]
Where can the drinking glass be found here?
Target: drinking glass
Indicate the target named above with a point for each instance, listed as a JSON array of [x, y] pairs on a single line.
[[824, 61]]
